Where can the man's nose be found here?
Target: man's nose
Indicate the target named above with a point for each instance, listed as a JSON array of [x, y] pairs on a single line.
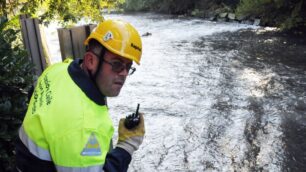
[[124, 72]]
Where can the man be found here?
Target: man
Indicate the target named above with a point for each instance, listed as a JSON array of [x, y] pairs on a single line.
[[67, 126]]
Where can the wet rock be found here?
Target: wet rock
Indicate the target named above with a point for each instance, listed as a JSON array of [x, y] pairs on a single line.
[[241, 17], [231, 16], [195, 12], [211, 16], [256, 22], [146, 34], [223, 15]]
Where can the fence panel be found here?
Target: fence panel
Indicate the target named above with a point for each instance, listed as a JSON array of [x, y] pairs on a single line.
[[72, 40], [33, 44]]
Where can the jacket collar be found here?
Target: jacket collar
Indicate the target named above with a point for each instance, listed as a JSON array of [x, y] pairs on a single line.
[[85, 83]]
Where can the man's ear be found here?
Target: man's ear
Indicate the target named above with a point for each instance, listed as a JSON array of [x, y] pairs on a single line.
[[90, 61]]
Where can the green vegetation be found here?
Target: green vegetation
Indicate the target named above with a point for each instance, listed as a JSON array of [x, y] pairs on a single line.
[[60, 10], [177, 6], [16, 78], [286, 14]]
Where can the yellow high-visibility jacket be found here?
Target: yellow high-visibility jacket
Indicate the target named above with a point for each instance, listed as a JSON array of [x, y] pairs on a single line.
[[67, 121]]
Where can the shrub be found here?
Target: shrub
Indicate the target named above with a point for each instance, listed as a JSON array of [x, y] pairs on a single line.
[[286, 14], [15, 79]]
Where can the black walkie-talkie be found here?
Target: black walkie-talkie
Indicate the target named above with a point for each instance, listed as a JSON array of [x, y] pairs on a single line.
[[132, 120]]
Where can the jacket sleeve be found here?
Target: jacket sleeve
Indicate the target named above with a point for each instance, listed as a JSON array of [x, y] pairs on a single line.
[[27, 162], [117, 160]]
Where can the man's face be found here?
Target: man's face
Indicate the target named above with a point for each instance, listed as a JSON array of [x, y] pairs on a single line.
[[110, 82]]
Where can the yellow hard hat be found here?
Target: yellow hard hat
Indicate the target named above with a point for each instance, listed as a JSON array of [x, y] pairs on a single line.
[[119, 37]]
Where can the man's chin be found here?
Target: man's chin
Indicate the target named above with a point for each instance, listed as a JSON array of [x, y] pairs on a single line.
[[113, 94]]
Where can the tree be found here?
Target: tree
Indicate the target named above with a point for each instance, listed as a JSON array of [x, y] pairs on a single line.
[[60, 10]]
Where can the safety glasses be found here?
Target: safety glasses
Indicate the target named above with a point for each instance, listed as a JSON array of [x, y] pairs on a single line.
[[118, 67]]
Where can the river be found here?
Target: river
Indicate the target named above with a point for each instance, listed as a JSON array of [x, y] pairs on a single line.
[[216, 96]]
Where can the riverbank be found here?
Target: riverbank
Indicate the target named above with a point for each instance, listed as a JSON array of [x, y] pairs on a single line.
[[285, 14], [229, 17]]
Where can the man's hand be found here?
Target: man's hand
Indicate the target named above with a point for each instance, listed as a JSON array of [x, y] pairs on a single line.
[[130, 140]]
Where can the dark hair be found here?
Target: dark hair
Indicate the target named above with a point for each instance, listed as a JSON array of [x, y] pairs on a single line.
[[95, 47], [99, 50]]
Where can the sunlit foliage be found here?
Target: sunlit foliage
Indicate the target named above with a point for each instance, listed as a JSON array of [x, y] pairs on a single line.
[[286, 14], [60, 10]]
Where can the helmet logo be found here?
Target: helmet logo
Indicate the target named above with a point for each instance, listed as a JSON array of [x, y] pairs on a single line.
[[135, 47], [108, 36]]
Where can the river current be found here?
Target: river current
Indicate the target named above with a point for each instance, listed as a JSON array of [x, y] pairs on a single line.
[[216, 96]]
